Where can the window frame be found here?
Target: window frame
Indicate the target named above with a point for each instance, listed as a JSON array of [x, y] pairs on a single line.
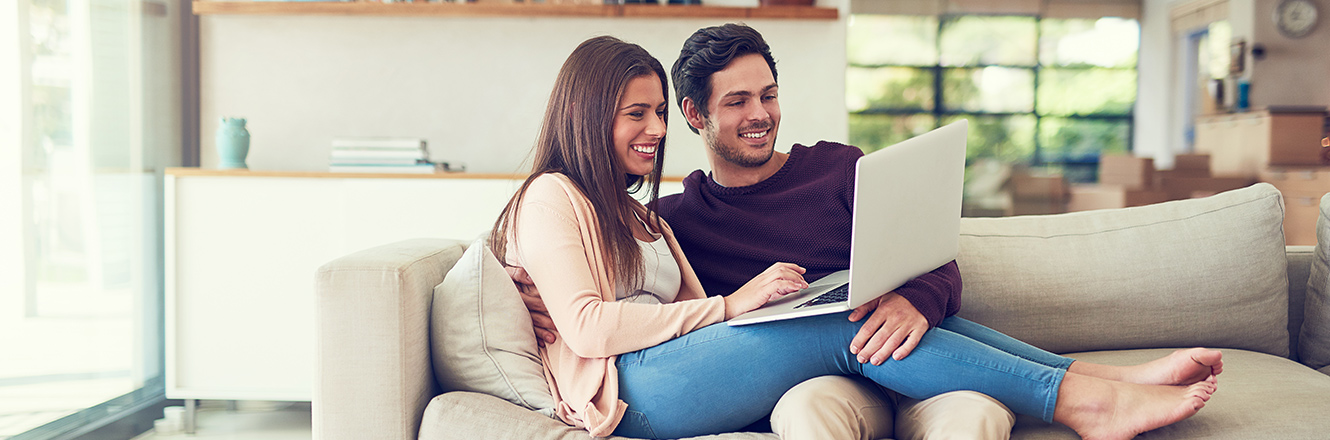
[[940, 111]]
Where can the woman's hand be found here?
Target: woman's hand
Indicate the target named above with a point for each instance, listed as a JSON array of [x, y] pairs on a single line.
[[778, 280]]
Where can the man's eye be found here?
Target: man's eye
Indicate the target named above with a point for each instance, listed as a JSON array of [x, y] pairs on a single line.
[[769, 98]]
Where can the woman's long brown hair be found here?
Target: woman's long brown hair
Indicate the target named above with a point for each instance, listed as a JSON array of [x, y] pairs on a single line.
[[577, 140]]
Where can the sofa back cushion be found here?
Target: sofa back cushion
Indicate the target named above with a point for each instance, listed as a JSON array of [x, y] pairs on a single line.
[[1314, 342], [481, 336], [1200, 272]]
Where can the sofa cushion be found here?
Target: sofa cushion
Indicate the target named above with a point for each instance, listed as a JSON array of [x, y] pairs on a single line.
[[1208, 272], [1314, 342], [481, 336], [1260, 397], [469, 416]]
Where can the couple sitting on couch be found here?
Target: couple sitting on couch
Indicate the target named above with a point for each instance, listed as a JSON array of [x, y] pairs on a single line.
[[641, 350]]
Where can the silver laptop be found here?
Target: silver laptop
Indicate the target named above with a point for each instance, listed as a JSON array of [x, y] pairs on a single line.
[[907, 215]]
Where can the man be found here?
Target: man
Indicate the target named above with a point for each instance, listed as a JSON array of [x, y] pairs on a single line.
[[759, 206]]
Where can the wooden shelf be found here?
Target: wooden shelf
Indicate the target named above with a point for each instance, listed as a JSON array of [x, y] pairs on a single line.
[[204, 7], [213, 172]]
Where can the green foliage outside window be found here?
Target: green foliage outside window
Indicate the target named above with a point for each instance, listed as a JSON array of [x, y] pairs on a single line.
[[985, 40], [889, 87], [875, 132], [1007, 138], [988, 89], [1067, 92]]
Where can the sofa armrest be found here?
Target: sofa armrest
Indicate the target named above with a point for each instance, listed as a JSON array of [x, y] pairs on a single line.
[[372, 375]]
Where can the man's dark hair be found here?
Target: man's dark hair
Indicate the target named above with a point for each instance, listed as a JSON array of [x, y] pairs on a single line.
[[708, 51]]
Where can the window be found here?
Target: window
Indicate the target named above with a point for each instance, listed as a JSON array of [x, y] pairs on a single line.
[[96, 115], [1037, 91]]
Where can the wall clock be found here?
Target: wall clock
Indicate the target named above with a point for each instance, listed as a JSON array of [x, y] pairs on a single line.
[[1296, 18]]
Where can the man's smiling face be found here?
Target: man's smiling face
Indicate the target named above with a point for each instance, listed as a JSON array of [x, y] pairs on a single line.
[[743, 112]]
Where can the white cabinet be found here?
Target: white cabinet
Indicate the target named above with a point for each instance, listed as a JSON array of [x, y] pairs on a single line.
[[242, 249]]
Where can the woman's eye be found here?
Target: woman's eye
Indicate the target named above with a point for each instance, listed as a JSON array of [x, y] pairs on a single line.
[[635, 114]]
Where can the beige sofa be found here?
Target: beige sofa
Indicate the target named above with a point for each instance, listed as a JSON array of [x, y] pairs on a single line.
[[1114, 286]]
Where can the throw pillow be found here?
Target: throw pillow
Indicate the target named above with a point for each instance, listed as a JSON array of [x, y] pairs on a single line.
[[481, 337], [1314, 341]]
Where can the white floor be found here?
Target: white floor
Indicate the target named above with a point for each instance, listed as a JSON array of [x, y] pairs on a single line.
[[247, 421], [77, 352]]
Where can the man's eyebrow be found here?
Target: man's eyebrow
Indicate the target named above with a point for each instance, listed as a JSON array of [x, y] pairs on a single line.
[[747, 93], [737, 93]]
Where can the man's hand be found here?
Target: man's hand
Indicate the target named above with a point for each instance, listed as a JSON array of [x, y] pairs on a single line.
[[894, 329], [540, 316]]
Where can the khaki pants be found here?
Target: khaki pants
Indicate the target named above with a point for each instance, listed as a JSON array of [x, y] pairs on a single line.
[[846, 408]]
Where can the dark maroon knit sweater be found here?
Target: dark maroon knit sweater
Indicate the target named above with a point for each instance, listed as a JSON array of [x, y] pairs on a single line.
[[799, 215]]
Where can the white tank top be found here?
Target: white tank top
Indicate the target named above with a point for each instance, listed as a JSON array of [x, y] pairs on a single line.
[[661, 275]]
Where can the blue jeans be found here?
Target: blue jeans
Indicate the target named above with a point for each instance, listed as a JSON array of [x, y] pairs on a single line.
[[721, 378]]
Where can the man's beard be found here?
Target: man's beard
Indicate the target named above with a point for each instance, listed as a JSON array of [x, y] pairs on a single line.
[[735, 155]]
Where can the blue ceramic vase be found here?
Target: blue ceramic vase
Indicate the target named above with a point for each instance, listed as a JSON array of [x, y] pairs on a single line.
[[232, 144]]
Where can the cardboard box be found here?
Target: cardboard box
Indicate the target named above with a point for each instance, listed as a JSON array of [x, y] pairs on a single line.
[[1298, 179], [1295, 138], [1026, 185], [1127, 171], [1300, 214], [1191, 165], [1178, 188], [1091, 197]]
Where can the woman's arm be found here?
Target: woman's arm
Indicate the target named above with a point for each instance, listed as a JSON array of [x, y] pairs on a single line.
[[556, 243]]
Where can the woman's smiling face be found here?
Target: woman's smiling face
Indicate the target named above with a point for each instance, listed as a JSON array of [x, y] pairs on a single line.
[[639, 124]]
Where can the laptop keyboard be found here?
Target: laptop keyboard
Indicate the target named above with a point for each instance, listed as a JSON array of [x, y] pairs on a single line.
[[832, 296]]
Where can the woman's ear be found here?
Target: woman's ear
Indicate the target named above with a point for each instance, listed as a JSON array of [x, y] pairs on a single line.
[[689, 108]]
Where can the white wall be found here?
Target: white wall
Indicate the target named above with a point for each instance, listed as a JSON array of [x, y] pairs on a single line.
[[1294, 71], [475, 88], [1154, 123]]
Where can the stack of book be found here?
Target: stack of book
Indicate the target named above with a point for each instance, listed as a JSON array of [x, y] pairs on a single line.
[[380, 155]]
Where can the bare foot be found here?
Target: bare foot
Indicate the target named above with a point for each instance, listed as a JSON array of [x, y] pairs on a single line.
[[1106, 410], [1182, 367]]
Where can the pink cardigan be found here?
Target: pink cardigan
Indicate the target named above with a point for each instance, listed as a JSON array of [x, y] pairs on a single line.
[[556, 240]]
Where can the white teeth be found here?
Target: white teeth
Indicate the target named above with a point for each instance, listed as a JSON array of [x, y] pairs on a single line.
[[644, 149], [755, 135]]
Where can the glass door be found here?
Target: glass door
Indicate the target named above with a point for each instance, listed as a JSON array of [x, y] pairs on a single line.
[[82, 148]]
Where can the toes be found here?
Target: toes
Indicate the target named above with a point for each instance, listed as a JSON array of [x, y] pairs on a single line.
[[1202, 389], [1207, 357]]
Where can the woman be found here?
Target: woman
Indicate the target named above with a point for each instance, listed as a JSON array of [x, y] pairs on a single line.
[[640, 350]]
